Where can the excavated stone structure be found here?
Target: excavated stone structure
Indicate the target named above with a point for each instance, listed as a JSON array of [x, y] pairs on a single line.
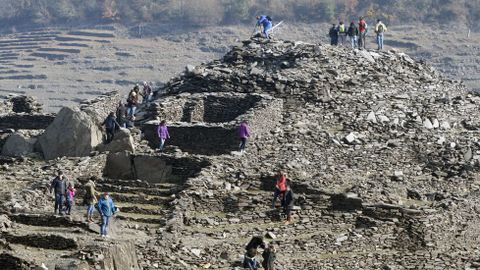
[[381, 153]]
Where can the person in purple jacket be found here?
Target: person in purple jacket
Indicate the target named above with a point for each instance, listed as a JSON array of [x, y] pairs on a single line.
[[243, 133], [162, 134]]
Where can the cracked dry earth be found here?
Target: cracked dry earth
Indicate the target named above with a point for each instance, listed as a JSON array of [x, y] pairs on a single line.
[[381, 150]]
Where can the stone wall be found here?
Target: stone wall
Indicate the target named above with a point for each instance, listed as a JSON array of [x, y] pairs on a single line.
[[262, 112], [154, 169], [26, 121], [208, 108], [100, 107]]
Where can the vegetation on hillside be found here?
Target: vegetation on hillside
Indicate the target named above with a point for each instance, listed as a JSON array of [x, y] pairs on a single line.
[[211, 12]]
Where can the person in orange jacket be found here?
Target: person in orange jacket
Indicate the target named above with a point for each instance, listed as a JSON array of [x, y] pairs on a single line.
[[280, 187]]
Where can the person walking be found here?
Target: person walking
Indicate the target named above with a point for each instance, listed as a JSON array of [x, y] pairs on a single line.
[[147, 93], [280, 187], [380, 29], [90, 199], [121, 114], [59, 187], [342, 34], [362, 29], [132, 101], [163, 134], [244, 134], [70, 195], [269, 256], [287, 203], [352, 33], [111, 125], [333, 33], [107, 209], [266, 23]]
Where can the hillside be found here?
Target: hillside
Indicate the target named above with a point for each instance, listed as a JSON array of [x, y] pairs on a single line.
[[380, 149]]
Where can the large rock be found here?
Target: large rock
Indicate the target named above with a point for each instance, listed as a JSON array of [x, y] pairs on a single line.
[[122, 141], [73, 133], [18, 145]]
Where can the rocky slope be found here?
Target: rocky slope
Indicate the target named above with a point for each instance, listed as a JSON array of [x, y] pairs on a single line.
[[381, 150]]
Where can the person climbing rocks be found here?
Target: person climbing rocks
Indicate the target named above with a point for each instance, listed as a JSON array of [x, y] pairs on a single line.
[[353, 34], [244, 134], [249, 260], [342, 34], [163, 134], [90, 199], [362, 29], [380, 29], [333, 33], [287, 203], [106, 208], [147, 93], [70, 195], [265, 22], [130, 121], [132, 101], [269, 256], [121, 114], [111, 126], [59, 187], [280, 187]]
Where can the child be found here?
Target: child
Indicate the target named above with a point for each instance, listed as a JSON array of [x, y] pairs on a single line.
[[70, 194], [269, 257]]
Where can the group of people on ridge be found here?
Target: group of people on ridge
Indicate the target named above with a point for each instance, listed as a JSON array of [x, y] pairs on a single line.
[[64, 193], [356, 34]]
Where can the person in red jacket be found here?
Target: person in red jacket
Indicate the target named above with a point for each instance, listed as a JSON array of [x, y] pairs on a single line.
[[362, 29], [280, 187]]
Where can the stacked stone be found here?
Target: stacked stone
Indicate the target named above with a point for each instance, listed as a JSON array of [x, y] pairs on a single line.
[[25, 104]]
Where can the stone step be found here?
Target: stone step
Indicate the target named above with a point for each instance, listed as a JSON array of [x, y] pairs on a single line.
[[50, 56], [62, 50], [138, 190], [44, 241], [143, 218], [139, 198], [149, 209], [86, 33]]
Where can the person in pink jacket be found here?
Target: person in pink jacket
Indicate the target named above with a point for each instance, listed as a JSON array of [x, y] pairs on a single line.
[[162, 134], [70, 195], [243, 133]]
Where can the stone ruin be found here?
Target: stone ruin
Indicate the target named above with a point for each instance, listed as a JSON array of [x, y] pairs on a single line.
[[381, 150], [207, 123]]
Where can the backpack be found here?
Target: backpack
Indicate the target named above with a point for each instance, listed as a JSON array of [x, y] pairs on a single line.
[[269, 18], [380, 29], [341, 28]]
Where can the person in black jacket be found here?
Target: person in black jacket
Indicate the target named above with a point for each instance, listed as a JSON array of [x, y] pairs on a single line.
[[333, 33], [352, 33], [59, 187], [287, 204], [111, 125]]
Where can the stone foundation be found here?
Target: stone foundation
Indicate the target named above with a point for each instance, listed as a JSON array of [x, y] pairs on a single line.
[[207, 124], [154, 169]]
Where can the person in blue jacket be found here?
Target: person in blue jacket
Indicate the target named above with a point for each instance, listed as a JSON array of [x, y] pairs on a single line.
[[266, 23], [106, 208]]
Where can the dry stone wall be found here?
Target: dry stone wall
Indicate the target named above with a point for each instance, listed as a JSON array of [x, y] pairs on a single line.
[[219, 116]]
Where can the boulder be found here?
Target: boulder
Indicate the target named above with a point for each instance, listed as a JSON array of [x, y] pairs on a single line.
[[73, 133], [18, 145], [122, 141], [119, 165]]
